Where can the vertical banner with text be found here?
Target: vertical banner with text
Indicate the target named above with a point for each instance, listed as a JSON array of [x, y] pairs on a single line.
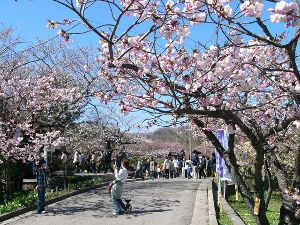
[[220, 164]]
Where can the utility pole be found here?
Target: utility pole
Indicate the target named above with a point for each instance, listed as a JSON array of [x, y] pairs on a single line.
[[190, 142]]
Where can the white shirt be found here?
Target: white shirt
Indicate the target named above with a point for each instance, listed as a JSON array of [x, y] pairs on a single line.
[[176, 163], [138, 166], [121, 175], [76, 157], [166, 164], [64, 158]]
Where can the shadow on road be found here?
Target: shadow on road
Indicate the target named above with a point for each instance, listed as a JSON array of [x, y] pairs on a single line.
[[147, 198], [137, 212]]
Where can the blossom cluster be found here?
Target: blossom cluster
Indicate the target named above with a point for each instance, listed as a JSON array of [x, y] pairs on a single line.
[[285, 12], [34, 99], [238, 81], [252, 8]]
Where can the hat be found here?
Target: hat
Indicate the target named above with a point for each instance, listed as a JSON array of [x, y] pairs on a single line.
[[41, 162]]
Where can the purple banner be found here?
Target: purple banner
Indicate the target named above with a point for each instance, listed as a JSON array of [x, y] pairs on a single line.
[[221, 167]]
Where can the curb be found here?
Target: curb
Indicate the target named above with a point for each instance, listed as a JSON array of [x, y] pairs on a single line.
[[236, 220], [234, 217], [211, 206], [200, 212], [27, 209]]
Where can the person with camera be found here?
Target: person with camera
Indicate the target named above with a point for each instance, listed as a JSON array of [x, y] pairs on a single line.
[[117, 188]]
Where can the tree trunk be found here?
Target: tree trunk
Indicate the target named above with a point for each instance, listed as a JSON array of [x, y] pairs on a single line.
[[7, 174], [259, 189], [296, 178], [20, 175], [231, 163], [288, 208], [268, 179], [287, 212]]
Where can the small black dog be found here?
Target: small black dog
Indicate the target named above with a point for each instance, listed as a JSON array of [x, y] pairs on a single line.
[[128, 205]]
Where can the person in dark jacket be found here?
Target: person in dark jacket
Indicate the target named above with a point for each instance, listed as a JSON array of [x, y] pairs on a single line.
[[41, 185]]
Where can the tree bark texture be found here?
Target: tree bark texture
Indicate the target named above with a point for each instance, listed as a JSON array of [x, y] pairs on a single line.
[[268, 180], [231, 163]]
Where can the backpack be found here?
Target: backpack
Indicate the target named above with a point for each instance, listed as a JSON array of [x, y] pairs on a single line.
[[195, 160], [180, 164]]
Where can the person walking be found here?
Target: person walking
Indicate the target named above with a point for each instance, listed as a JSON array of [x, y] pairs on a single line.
[[167, 168], [189, 170], [138, 170], [93, 163], [64, 160], [88, 164], [76, 161], [82, 162], [180, 166], [172, 169], [117, 188], [176, 165], [41, 185], [202, 164], [147, 168], [152, 168], [195, 163]]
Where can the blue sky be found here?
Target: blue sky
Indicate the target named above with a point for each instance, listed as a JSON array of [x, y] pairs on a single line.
[[29, 19]]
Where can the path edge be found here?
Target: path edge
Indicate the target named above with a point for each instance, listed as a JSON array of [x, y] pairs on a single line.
[[233, 215], [212, 216], [29, 208]]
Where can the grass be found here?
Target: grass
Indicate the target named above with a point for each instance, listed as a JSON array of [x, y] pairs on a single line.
[[241, 208], [222, 217], [23, 199]]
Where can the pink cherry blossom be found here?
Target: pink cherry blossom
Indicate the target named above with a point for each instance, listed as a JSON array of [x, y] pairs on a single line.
[[252, 8]]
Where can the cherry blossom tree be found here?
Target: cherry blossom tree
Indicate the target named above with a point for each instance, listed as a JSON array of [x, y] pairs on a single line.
[[40, 95], [248, 77]]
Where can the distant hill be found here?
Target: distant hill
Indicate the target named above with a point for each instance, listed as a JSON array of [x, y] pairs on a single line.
[[157, 143], [166, 133], [165, 140]]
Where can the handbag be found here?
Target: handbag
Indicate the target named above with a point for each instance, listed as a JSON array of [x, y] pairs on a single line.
[[109, 187], [117, 188]]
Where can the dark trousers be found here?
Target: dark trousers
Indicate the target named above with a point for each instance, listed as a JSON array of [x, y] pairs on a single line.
[[201, 173], [176, 172], [167, 173], [107, 167], [93, 167], [41, 199], [77, 168], [172, 174], [119, 205], [139, 174]]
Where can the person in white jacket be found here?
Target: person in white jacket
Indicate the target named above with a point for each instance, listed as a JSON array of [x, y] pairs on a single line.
[[117, 188]]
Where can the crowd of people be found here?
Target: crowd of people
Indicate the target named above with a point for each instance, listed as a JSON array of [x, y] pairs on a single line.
[[177, 166], [170, 167], [92, 163], [199, 166]]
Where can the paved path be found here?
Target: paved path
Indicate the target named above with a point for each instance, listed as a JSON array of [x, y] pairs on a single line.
[[157, 202]]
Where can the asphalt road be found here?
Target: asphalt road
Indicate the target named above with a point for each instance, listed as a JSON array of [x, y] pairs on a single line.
[[155, 202]]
